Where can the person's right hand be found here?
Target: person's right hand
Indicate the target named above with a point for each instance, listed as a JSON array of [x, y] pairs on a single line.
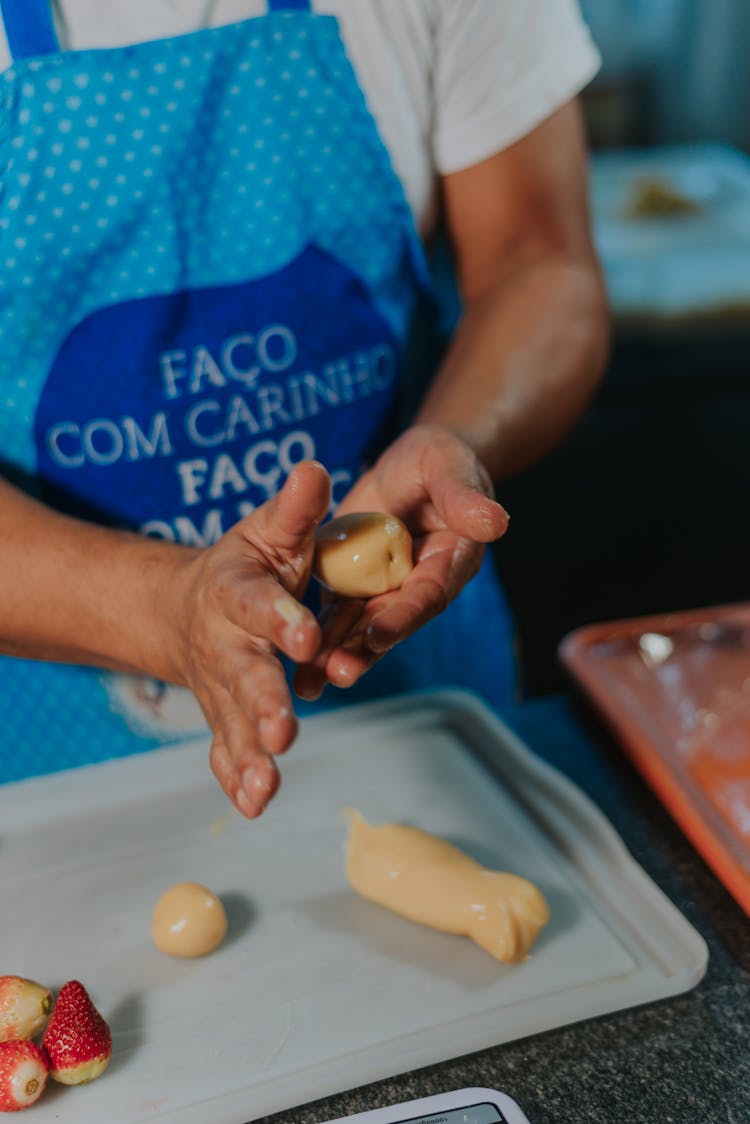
[[234, 606]]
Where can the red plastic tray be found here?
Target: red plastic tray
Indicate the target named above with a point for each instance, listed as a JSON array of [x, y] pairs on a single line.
[[675, 689]]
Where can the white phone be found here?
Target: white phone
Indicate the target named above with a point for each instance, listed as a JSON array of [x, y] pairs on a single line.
[[464, 1106]]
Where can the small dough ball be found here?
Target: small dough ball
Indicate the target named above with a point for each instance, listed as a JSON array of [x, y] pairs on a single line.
[[363, 554], [188, 920]]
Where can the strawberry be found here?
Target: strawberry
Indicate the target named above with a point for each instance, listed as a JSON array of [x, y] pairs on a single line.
[[77, 1038], [24, 1006], [23, 1074]]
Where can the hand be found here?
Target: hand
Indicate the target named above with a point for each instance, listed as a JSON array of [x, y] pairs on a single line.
[[237, 604], [433, 481]]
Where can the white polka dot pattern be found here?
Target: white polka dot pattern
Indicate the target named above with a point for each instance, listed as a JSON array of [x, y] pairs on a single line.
[[202, 160]]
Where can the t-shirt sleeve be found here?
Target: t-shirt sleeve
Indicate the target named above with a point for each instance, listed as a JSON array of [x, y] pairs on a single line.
[[500, 68]]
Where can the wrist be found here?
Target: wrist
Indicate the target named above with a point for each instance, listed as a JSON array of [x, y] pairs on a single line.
[[146, 619], [76, 592]]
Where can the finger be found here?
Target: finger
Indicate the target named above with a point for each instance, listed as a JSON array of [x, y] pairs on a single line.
[[390, 622], [259, 782], [444, 564], [286, 524], [309, 682], [347, 666], [223, 767], [461, 491], [262, 694], [390, 619], [261, 607], [339, 619], [402, 615], [255, 772], [253, 683], [470, 514], [249, 783]]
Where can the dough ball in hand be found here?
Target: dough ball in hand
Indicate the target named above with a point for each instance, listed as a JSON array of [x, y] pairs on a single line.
[[363, 554]]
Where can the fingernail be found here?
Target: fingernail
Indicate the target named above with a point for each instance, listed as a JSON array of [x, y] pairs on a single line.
[[487, 519], [378, 642], [243, 803]]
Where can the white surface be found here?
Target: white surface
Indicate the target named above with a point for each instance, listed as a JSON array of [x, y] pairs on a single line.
[[678, 265], [316, 990], [478, 1107]]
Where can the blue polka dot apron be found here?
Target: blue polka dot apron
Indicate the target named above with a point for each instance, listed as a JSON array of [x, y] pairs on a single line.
[[208, 270]]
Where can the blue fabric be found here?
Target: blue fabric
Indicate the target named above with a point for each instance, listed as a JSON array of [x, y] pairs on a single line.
[[207, 160], [207, 273], [29, 28], [251, 376], [289, 5]]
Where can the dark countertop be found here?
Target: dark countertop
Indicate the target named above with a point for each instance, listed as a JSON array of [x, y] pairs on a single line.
[[676, 1061]]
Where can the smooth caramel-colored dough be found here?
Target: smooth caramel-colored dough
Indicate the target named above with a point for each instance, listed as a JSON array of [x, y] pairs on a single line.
[[188, 920], [363, 554], [430, 881]]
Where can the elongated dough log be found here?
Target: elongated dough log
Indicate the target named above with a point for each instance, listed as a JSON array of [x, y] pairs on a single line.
[[434, 883]]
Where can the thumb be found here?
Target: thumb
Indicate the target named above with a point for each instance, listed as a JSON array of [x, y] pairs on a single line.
[[462, 494], [288, 521], [468, 512]]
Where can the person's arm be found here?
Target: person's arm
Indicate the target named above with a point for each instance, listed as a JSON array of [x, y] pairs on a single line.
[[211, 619], [526, 357], [532, 341], [76, 592]]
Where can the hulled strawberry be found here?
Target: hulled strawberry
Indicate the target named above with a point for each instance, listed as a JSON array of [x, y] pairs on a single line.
[[24, 1006], [23, 1074], [77, 1038]]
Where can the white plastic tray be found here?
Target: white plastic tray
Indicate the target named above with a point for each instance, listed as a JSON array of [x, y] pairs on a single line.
[[316, 990]]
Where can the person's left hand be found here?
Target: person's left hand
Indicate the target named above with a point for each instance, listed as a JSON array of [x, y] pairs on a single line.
[[433, 481]]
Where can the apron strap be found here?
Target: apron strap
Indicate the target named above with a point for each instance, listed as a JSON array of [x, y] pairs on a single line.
[[29, 28], [289, 5]]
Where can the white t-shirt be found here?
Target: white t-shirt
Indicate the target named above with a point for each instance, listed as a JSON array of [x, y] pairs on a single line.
[[449, 82]]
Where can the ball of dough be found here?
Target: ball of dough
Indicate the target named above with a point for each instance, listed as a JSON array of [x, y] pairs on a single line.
[[363, 554], [188, 920]]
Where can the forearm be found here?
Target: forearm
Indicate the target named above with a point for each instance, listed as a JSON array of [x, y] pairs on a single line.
[[76, 592], [524, 362]]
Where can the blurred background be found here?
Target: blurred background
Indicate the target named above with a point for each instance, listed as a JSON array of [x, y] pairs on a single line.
[[646, 507]]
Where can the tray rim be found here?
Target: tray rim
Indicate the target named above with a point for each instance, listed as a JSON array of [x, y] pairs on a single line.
[[645, 754]]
